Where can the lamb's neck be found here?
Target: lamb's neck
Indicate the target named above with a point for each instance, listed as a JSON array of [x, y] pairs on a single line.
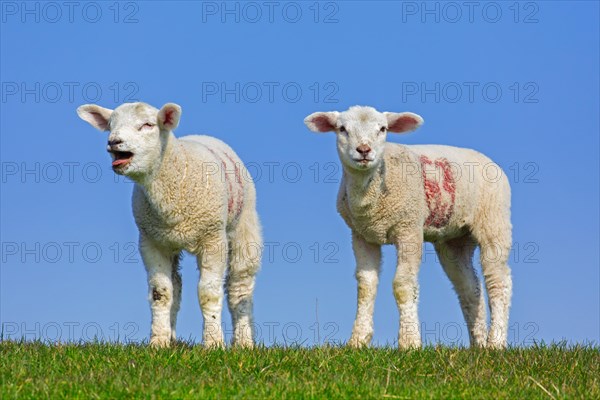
[[164, 185], [363, 187]]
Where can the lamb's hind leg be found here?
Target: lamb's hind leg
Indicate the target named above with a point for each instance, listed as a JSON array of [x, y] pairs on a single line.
[[456, 257], [244, 262], [495, 243], [212, 264]]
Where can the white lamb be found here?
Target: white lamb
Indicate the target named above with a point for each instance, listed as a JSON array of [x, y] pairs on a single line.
[[189, 195], [403, 195]]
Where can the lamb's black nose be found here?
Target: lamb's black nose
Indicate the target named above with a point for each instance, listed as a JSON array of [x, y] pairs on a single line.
[[363, 149], [114, 142]]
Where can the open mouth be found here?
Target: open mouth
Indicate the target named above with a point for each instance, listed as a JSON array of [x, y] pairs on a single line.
[[121, 158]]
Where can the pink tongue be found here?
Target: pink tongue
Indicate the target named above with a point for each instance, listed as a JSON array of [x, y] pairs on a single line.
[[120, 161]]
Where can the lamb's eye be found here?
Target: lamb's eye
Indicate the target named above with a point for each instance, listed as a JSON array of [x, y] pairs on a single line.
[[383, 129], [147, 125], [342, 128]]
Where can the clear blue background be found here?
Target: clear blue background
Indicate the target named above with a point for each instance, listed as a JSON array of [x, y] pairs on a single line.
[[546, 139]]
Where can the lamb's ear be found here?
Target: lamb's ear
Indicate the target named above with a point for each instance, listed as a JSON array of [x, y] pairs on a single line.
[[322, 121], [168, 116], [95, 115], [403, 122]]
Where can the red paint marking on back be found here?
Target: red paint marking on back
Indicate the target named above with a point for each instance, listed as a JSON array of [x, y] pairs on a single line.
[[238, 179], [229, 185], [440, 200], [232, 197]]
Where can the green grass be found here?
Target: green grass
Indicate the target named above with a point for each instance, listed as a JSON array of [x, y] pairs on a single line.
[[101, 370]]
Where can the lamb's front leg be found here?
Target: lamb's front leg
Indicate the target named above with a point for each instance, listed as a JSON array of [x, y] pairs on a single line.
[[212, 263], [159, 266], [368, 263], [406, 288]]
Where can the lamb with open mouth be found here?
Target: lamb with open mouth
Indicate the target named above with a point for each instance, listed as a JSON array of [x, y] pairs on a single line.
[[120, 158], [178, 207]]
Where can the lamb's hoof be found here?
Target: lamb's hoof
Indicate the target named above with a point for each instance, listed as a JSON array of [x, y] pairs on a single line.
[[495, 345], [160, 341], [358, 341], [409, 343], [496, 340], [214, 344], [243, 344]]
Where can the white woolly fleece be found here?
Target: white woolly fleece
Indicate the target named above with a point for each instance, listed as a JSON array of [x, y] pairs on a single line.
[[191, 194], [456, 198]]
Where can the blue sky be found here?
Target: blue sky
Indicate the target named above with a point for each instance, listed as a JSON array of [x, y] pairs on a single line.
[[518, 83]]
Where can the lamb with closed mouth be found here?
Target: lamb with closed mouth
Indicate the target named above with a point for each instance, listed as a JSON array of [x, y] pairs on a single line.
[[405, 195]]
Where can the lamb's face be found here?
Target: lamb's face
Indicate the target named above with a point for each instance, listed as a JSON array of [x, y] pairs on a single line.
[[137, 136], [361, 132]]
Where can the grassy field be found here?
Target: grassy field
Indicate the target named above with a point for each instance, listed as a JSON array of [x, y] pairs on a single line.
[[35, 370]]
